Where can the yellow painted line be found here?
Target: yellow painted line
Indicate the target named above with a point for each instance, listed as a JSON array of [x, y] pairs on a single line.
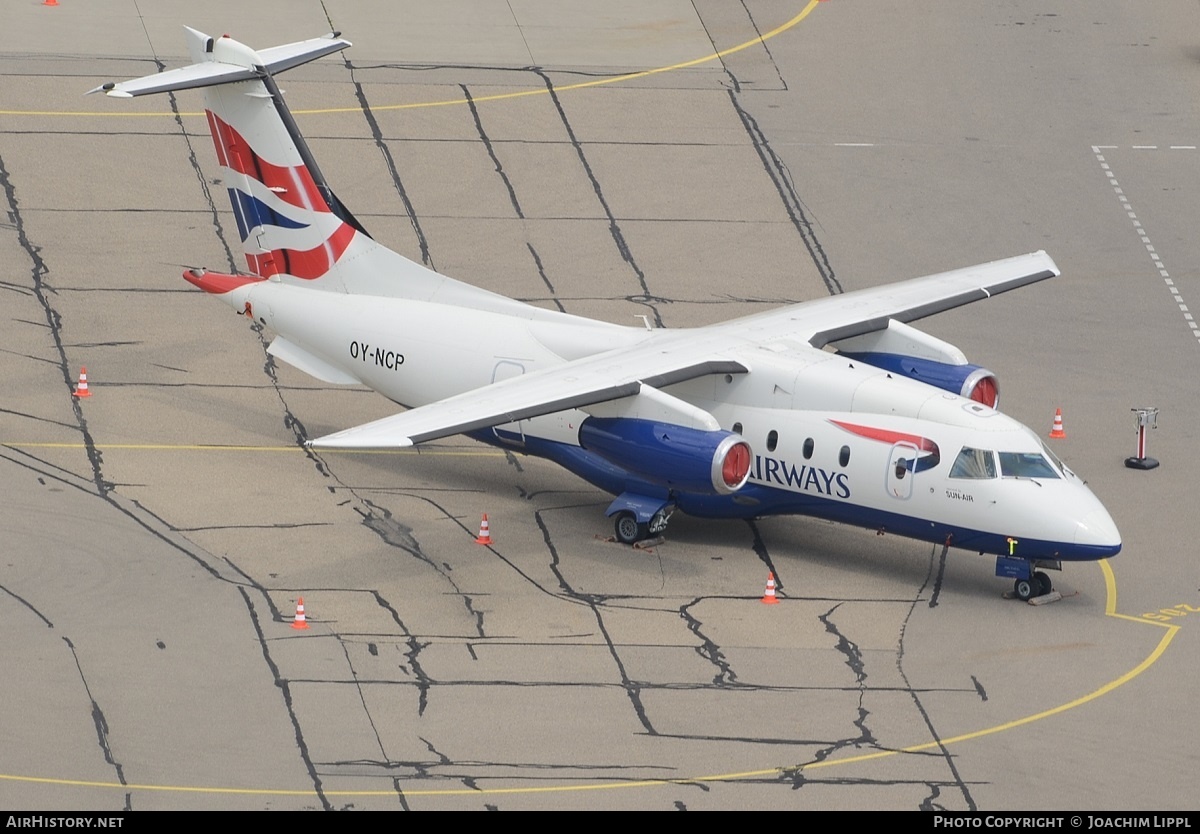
[[1109, 577], [766, 36], [228, 447], [1110, 610]]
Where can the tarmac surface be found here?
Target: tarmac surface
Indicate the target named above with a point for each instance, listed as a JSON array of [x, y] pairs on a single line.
[[601, 159]]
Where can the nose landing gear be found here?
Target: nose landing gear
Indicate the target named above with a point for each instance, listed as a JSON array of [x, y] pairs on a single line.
[[1027, 581], [1038, 585]]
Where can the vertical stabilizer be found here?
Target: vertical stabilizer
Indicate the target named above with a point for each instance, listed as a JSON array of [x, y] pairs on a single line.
[[291, 225]]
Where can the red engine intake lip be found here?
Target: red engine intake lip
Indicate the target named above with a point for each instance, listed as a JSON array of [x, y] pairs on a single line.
[[736, 451], [978, 378]]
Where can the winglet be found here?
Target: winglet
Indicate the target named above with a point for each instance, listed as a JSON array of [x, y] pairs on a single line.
[[353, 439]]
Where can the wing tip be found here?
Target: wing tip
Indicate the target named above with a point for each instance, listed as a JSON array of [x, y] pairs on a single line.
[[349, 443]]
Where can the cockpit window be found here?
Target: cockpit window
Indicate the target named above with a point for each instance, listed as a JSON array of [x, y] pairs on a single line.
[[1025, 465], [1053, 458], [974, 463]]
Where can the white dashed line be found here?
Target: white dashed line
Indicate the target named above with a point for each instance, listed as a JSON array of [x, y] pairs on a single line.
[[1141, 232]]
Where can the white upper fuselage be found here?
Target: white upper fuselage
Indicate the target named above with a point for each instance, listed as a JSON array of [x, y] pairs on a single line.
[[744, 418]]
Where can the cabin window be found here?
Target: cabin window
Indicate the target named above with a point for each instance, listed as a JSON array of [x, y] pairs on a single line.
[[901, 468], [844, 456], [737, 428], [772, 440], [974, 463], [1025, 465], [808, 448]]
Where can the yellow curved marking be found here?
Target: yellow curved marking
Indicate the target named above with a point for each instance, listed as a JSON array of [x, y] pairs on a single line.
[[1109, 578], [778, 30], [1110, 583]]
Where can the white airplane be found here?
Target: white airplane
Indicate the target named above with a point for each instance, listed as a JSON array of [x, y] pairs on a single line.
[[834, 408]]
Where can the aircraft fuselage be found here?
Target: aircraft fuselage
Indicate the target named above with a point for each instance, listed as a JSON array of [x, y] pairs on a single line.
[[839, 440]]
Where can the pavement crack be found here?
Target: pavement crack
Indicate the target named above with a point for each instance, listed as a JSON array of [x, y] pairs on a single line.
[[781, 177], [286, 692], [491, 151], [42, 291], [390, 162], [28, 605], [760, 549], [361, 697], [929, 803], [646, 299], [941, 574], [958, 782], [633, 689], [854, 660], [708, 649], [766, 47], [537, 260], [98, 718]]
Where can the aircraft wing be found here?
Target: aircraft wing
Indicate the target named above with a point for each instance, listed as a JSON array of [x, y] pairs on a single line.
[[667, 357], [607, 376], [838, 317]]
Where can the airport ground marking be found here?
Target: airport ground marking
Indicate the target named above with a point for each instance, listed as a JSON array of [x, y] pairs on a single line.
[[1110, 580], [1110, 584], [541, 91], [1141, 231]]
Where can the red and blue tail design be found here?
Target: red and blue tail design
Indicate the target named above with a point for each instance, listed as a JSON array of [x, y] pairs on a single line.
[[291, 225], [284, 221]]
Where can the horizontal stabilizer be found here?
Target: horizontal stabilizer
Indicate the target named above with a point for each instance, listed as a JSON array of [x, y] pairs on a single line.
[[224, 61]]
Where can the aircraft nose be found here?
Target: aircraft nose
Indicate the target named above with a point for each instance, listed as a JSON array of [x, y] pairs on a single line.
[[1098, 530]]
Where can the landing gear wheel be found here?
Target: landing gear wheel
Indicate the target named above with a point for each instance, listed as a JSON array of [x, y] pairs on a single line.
[[627, 528], [1043, 583], [1025, 589]]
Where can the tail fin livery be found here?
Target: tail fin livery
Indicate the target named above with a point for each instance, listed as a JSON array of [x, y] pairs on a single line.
[[288, 220], [291, 225]]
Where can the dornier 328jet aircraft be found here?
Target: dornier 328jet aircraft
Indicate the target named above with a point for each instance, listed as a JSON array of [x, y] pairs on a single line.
[[834, 408]]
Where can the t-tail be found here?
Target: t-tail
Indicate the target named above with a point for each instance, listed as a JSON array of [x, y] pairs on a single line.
[[292, 226]]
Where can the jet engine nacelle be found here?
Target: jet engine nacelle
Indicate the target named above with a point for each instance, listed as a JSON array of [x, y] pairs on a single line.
[[970, 381], [670, 455]]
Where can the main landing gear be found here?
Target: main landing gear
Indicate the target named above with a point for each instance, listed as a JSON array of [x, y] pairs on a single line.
[[637, 517], [629, 530]]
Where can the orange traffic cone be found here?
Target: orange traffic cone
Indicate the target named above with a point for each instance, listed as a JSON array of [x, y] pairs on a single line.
[[299, 623], [769, 597], [81, 390], [485, 536], [49, 2], [1057, 432]]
